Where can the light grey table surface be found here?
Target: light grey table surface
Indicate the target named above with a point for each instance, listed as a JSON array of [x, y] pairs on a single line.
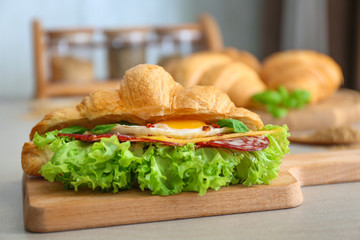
[[328, 211]]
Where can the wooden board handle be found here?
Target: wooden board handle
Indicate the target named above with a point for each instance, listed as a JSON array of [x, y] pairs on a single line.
[[324, 168]]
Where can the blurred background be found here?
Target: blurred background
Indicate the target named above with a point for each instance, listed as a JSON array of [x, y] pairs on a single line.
[[51, 50], [259, 27]]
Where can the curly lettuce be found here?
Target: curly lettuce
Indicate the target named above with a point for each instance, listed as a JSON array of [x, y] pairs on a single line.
[[110, 165]]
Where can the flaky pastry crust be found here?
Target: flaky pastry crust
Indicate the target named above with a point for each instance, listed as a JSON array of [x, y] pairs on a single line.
[[32, 158], [147, 93]]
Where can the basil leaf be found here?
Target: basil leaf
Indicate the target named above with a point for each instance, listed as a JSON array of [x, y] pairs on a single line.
[[278, 102], [74, 130], [301, 97], [237, 125], [283, 92], [268, 97], [100, 129], [276, 111], [127, 123]]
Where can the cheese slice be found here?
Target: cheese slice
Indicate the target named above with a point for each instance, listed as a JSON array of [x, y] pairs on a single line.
[[207, 139]]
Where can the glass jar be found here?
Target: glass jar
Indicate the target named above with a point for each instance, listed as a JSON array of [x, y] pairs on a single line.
[[71, 55], [126, 49], [178, 41]]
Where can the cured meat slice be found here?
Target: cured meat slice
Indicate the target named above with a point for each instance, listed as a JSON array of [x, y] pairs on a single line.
[[248, 143]]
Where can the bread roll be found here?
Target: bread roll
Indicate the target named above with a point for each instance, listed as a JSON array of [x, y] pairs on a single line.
[[232, 71], [190, 69], [236, 79], [243, 57], [303, 69]]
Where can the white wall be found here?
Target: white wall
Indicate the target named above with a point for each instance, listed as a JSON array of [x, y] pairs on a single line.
[[240, 21]]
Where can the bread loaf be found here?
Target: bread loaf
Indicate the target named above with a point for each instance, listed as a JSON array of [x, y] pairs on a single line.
[[303, 69]]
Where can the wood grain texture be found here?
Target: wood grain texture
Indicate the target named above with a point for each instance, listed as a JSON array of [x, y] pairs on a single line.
[[48, 207], [340, 109], [39, 61], [211, 32]]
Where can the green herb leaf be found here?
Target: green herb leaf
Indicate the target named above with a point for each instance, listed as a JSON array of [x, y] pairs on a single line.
[[283, 92], [268, 97], [237, 125], [301, 97], [126, 123], [276, 111], [100, 129], [74, 130], [278, 102]]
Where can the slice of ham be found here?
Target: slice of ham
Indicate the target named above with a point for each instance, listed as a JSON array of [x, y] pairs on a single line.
[[246, 143]]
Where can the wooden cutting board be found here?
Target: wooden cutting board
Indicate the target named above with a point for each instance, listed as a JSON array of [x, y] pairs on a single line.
[[340, 109], [49, 208]]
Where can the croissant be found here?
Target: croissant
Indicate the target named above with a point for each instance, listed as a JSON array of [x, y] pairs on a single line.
[[303, 69], [190, 69], [236, 79], [147, 93], [244, 57], [233, 72]]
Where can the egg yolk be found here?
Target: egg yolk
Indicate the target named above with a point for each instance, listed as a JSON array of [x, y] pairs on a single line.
[[183, 124]]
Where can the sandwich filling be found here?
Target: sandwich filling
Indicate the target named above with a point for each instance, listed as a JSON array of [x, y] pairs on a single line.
[[166, 157]]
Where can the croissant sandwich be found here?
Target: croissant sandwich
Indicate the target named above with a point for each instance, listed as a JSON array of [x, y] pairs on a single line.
[[155, 135]]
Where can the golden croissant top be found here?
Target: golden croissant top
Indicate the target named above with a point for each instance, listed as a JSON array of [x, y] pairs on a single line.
[[148, 93]]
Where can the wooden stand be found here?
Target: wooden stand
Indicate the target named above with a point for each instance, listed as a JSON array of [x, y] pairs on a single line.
[[46, 88]]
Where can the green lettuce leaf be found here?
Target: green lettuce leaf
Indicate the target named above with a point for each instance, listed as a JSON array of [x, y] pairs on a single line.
[[47, 138], [110, 165], [260, 167], [50, 140], [170, 170], [107, 165]]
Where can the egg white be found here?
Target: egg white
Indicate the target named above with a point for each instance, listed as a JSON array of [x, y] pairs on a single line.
[[161, 129]]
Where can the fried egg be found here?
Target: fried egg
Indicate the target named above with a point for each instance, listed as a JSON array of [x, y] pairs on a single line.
[[180, 129]]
